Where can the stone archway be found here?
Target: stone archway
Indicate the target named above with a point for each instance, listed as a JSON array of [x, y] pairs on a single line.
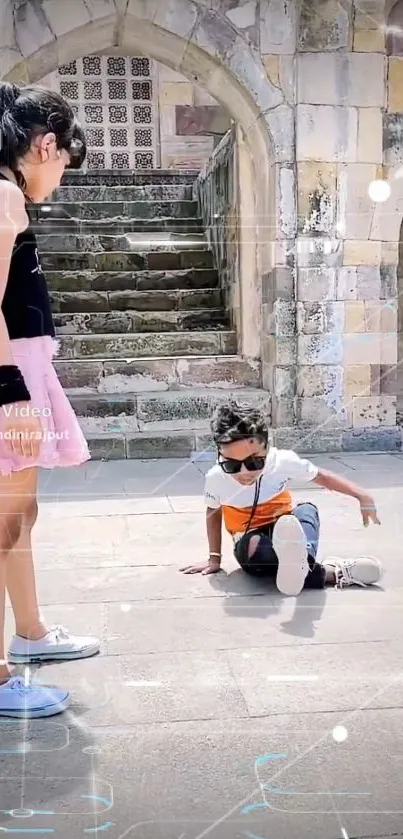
[[200, 44]]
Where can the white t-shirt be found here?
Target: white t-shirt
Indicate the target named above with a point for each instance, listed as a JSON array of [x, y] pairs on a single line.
[[236, 501]]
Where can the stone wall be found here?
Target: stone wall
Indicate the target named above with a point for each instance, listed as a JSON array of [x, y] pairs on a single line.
[[346, 249], [191, 122]]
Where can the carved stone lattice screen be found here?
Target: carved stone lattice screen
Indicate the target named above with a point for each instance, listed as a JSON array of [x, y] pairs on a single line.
[[113, 97]]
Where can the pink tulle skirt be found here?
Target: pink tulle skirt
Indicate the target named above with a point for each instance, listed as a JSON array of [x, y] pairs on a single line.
[[63, 442]]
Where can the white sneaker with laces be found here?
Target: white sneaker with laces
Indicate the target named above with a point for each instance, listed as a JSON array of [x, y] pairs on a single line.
[[23, 701], [57, 645], [289, 545], [362, 571]]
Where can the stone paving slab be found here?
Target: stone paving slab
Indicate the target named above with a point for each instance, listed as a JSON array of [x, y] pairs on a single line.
[[249, 622], [212, 779]]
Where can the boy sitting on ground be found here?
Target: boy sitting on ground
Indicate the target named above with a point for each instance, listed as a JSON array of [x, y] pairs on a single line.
[[248, 488]]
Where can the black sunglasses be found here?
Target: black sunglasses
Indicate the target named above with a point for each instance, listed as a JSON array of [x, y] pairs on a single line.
[[253, 463]]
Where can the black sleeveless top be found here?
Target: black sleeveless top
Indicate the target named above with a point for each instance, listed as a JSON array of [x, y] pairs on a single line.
[[26, 304]]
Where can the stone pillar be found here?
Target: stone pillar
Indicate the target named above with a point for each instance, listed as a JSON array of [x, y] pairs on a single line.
[[346, 305]]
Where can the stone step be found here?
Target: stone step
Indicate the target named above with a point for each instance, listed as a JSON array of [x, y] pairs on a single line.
[[141, 301], [74, 281], [153, 260], [120, 229], [112, 210], [139, 375], [152, 192], [219, 342], [140, 242], [173, 410], [140, 445], [128, 177], [116, 322]]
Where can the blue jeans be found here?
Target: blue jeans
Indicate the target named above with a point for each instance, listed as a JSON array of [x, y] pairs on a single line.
[[264, 562]]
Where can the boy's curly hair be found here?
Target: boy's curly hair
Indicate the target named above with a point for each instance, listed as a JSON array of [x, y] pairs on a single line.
[[233, 421]]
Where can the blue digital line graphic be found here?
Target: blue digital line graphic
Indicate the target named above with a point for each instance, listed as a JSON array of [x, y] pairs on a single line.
[[266, 758], [31, 830], [100, 827], [250, 807], [108, 803]]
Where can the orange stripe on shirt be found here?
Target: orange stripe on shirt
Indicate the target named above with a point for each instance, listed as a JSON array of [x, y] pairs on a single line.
[[236, 519]]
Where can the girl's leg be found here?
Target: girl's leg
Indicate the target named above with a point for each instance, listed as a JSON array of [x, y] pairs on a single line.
[[20, 575], [16, 490]]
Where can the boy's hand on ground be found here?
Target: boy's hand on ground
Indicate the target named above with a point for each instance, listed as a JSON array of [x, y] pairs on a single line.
[[368, 510], [212, 567]]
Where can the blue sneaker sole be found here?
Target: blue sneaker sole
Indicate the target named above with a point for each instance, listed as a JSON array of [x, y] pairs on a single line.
[[36, 713]]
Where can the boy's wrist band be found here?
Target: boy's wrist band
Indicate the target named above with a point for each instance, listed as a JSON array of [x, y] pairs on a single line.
[[12, 386], [213, 553]]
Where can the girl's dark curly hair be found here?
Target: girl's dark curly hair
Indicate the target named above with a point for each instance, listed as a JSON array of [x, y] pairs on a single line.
[[233, 421], [29, 111]]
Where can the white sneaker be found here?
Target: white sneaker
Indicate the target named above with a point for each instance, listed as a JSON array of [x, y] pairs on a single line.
[[289, 544], [26, 701], [57, 645], [362, 571]]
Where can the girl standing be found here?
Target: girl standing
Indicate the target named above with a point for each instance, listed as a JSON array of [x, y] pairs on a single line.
[[39, 138]]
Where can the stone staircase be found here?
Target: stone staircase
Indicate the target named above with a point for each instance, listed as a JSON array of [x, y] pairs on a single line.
[[146, 345]]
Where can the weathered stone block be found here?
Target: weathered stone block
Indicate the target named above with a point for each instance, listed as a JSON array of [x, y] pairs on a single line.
[[324, 25], [393, 138], [369, 40], [285, 382], [319, 252], [315, 284], [278, 26], [374, 412], [272, 65], [376, 440], [315, 318], [395, 85], [370, 128], [286, 201], [362, 348], [310, 440], [316, 197], [389, 316], [148, 446], [346, 284], [287, 78], [356, 208], [280, 122], [368, 282], [388, 281], [388, 348], [354, 317], [243, 16], [357, 380], [362, 252], [284, 317], [387, 378], [310, 318], [62, 17], [320, 410], [177, 16], [373, 311], [326, 133], [319, 380], [32, 31], [320, 349], [341, 79], [172, 93], [283, 412], [107, 446]]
